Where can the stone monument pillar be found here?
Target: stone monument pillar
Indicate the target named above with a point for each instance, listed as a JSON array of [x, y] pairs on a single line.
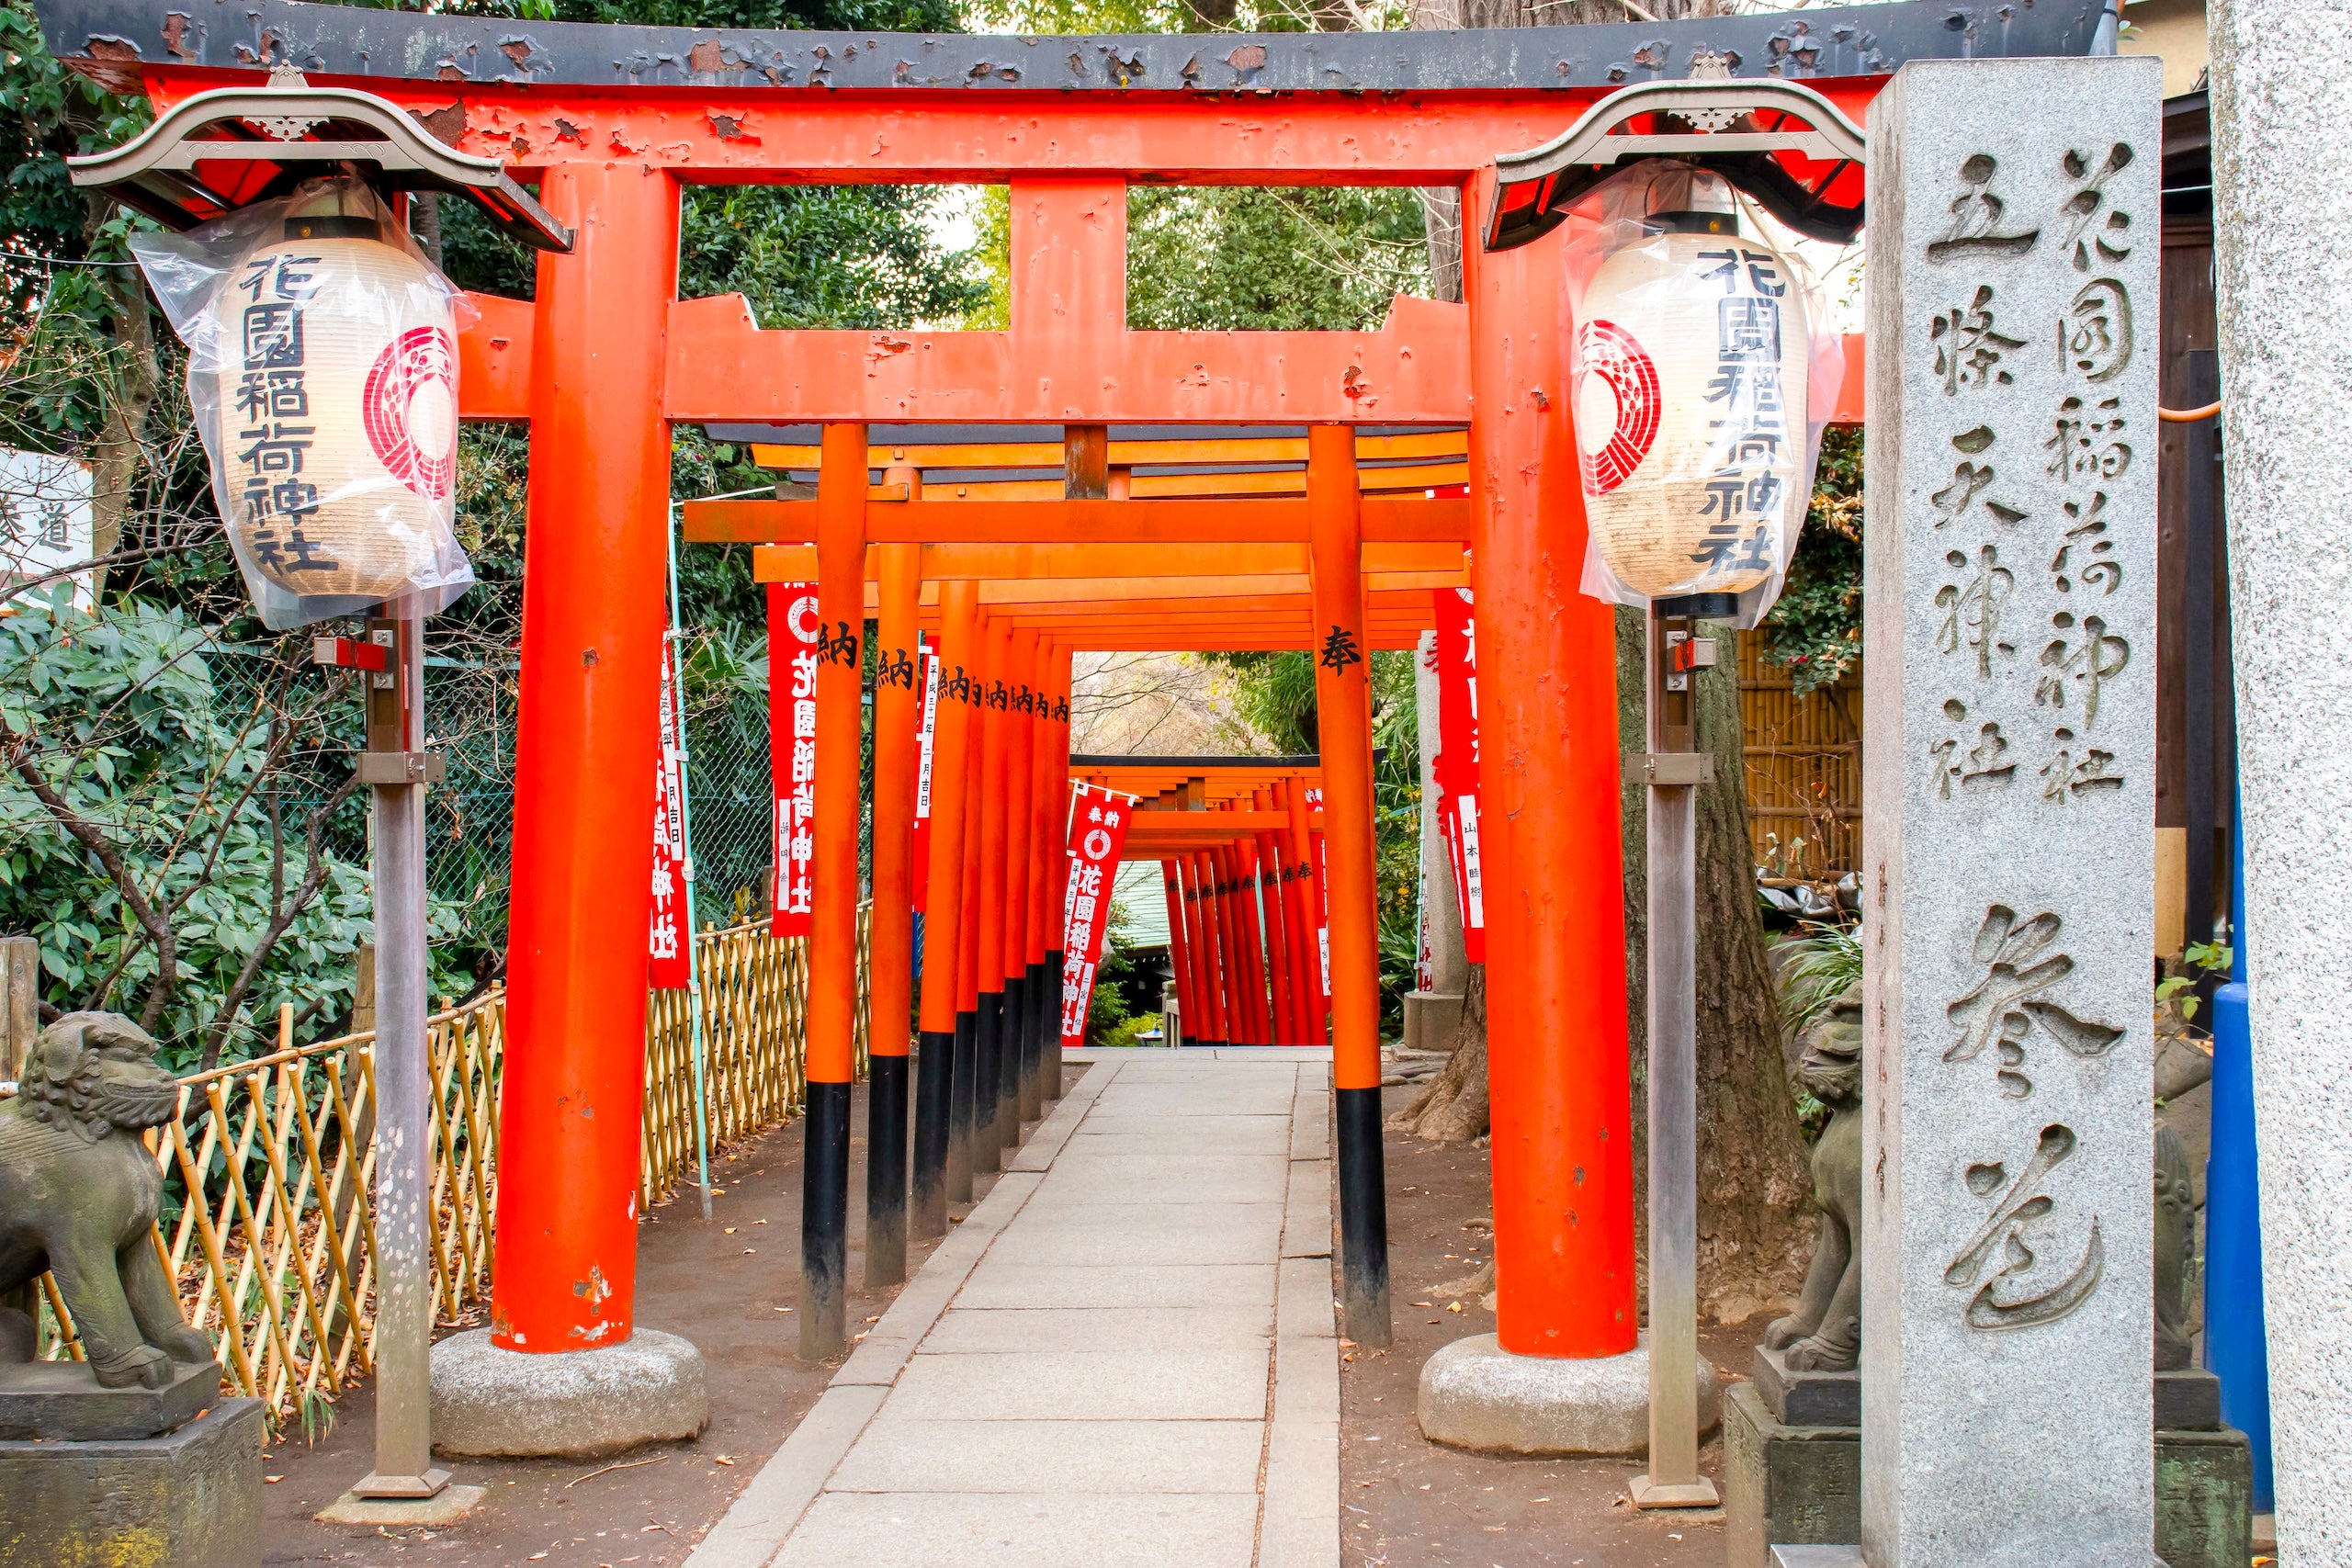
[[1431, 1015], [2282, 148], [2009, 806]]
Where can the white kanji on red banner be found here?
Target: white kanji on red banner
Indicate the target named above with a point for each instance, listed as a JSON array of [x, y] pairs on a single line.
[[1457, 762], [1322, 893], [1098, 828], [927, 723], [667, 967], [793, 634]]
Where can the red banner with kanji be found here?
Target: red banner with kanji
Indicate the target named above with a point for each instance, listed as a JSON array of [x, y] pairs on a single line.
[[926, 726], [1098, 828], [1457, 761], [793, 634], [1322, 893], [666, 967]]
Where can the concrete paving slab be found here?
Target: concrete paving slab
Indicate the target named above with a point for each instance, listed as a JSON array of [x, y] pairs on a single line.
[[1310, 1126], [967, 1331], [889, 1343], [1129, 1385], [1184, 1134], [1058, 1285], [1307, 1210], [755, 1527], [1081, 1530], [1184, 1099], [1090, 1178], [1079, 1376], [1144, 1068], [1305, 1309], [1055, 1456], [1123, 1235]]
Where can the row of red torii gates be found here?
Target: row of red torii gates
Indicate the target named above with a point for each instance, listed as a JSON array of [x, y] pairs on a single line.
[[606, 359], [605, 322]]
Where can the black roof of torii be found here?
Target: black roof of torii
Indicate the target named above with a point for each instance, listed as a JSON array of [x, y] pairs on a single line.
[[350, 41]]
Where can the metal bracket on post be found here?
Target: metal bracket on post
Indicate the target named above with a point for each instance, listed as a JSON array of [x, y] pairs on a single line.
[[1670, 769], [398, 768]]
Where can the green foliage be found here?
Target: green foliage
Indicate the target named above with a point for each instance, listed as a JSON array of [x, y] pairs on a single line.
[[1107, 1013], [2214, 957], [120, 722], [1817, 969], [1295, 258], [1815, 629], [2208, 958], [49, 112]]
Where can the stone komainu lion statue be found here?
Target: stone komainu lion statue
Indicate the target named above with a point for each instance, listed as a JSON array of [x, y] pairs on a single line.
[[1824, 1333], [78, 1192]]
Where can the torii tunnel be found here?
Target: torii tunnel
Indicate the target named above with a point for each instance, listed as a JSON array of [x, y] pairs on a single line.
[[611, 123]]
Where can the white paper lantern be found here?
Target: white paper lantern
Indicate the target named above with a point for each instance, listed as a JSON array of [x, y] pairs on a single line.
[[337, 386], [1689, 379]]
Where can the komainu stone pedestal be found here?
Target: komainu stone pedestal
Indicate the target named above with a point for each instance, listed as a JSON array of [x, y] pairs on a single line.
[[1802, 1486], [61, 1402], [190, 1498], [1799, 1487]]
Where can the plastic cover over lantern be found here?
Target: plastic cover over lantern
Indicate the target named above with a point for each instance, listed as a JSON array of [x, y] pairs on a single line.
[[1700, 391], [322, 368]]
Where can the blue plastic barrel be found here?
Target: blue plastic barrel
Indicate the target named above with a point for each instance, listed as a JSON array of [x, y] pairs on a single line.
[[2234, 1348]]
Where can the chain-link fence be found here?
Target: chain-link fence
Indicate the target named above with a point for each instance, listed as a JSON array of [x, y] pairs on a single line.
[[471, 708]]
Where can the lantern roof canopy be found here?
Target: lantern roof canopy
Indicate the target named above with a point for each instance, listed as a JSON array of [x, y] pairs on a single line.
[[1781, 141], [227, 148]]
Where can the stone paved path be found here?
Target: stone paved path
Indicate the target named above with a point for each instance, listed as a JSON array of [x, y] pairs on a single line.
[[1124, 1355]]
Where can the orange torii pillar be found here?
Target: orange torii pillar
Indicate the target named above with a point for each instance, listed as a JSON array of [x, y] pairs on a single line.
[[1235, 955], [832, 931], [1245, 905], [1344, 710], [970, 1101], [943, 1161], [1179, 960], [1216, 973], [1298, 914], [891, 935], [1053, 861], [990, 1138], [565, 1253], [1267, 875], [1020, 773], [1555, 889], [1198, 1026]]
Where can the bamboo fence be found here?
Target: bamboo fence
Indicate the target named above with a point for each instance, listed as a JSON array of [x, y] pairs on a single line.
[[1804, 768], [272, 1243]]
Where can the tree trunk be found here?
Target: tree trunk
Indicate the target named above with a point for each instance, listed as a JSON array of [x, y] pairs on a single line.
[[1453, 1108], [424, 223], [115, 454], [1753, 1183]]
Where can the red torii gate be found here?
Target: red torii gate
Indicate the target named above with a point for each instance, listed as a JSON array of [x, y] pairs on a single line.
[[606, 358]]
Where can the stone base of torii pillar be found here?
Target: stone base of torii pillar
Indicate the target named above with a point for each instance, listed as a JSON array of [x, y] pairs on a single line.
[[1474, 1395], [565, 1403]]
